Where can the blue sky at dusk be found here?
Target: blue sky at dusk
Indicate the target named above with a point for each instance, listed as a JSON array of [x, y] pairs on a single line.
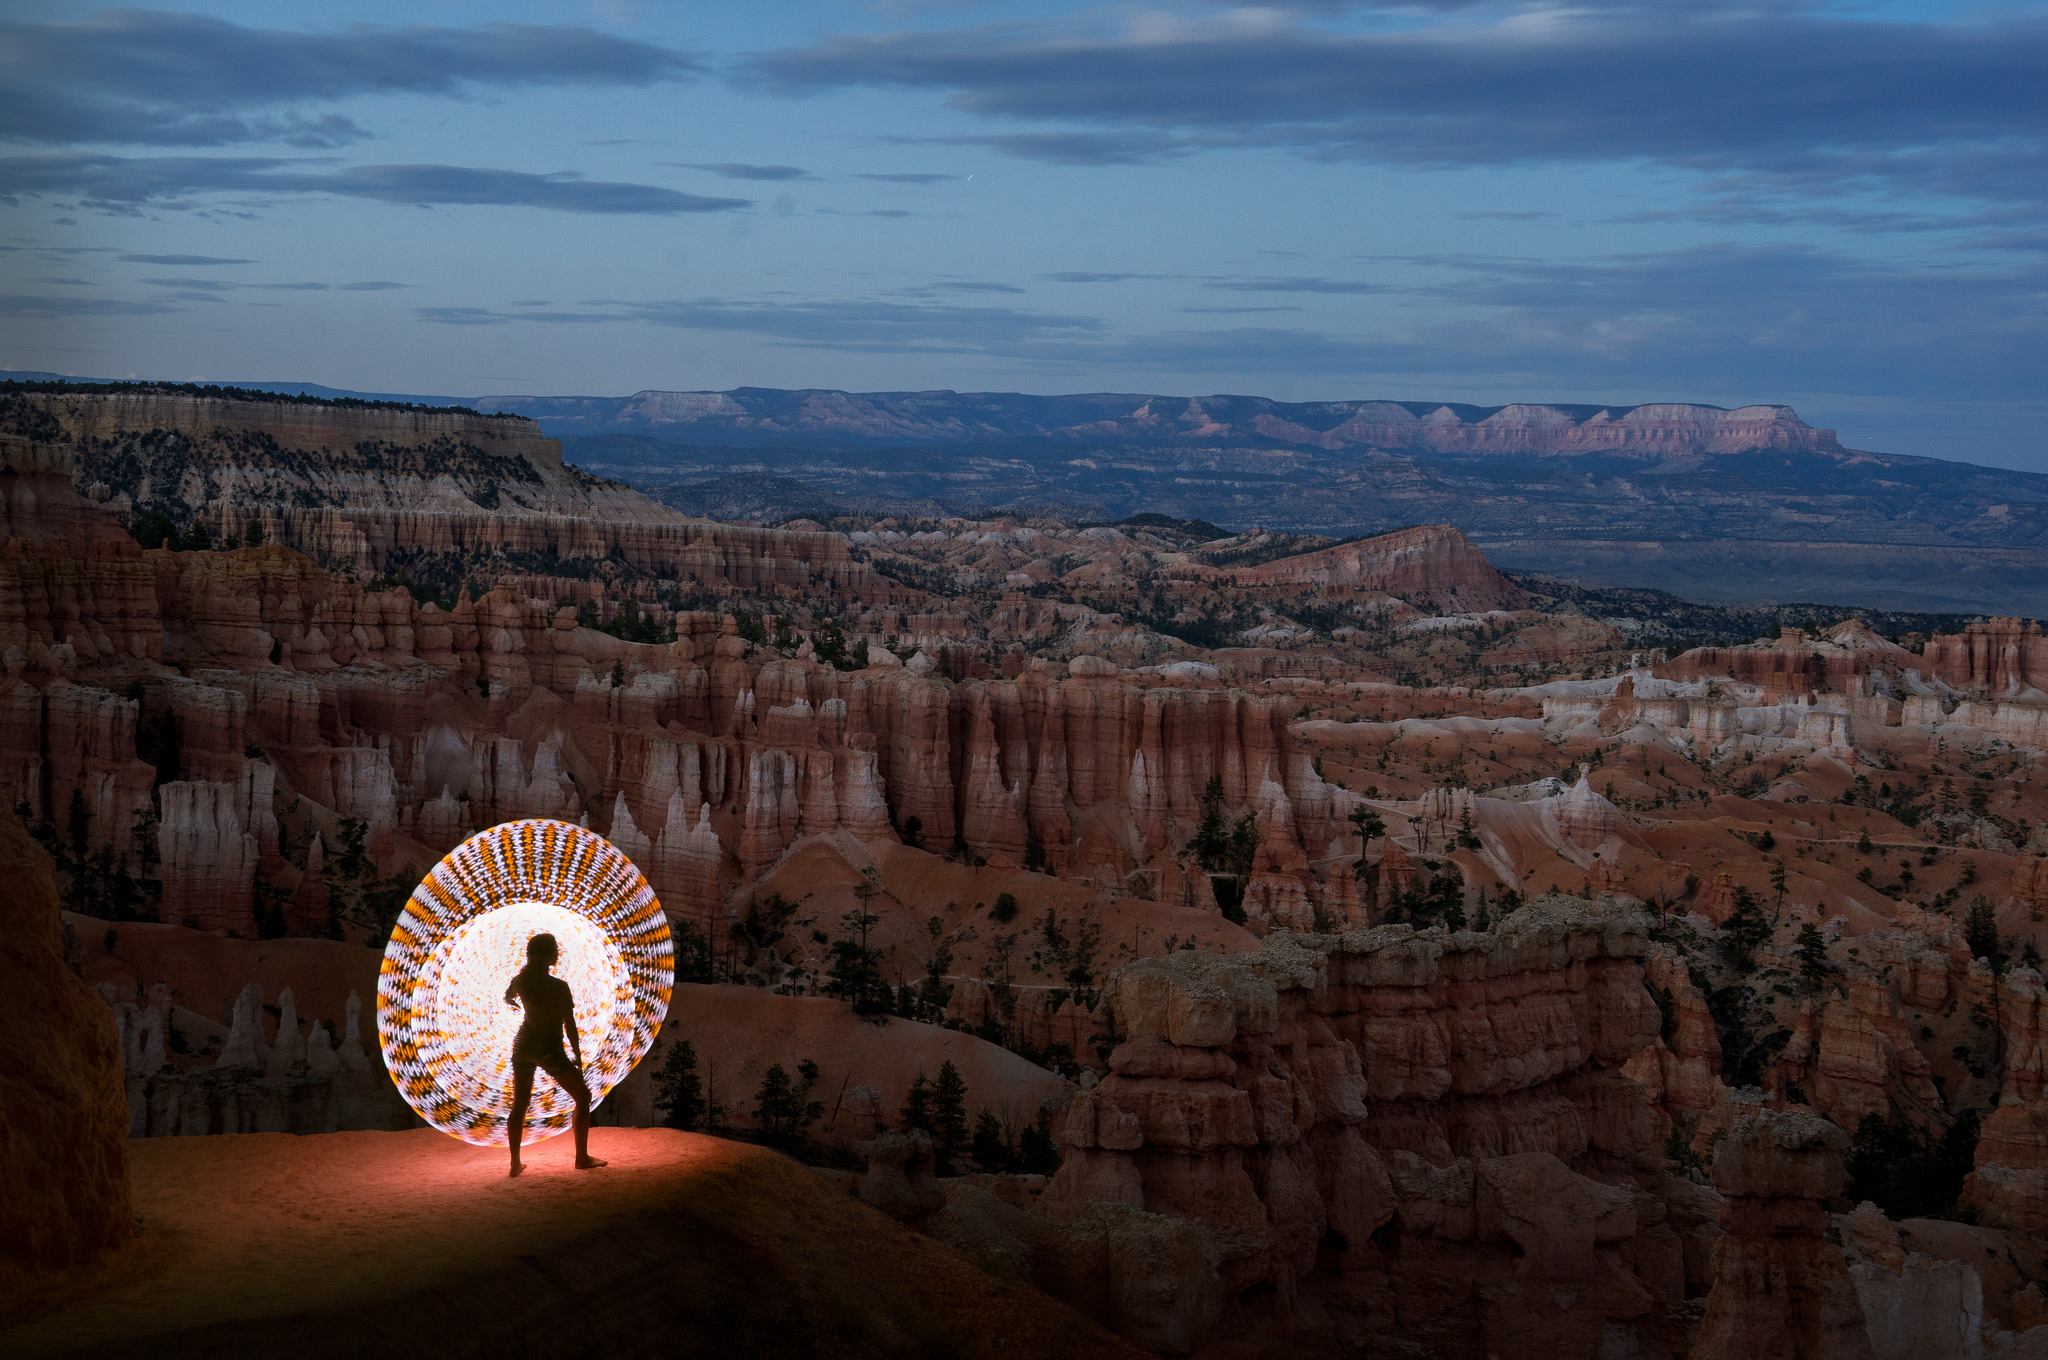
[[1839, 207]]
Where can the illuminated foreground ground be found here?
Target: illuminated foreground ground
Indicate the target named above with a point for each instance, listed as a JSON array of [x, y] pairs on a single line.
[[413, 1244]]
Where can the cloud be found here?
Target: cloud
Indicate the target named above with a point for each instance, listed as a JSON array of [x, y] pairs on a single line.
[[50, 309], [181, 261], [1297, 285], [738, 170], [1083, 276], [220, 286], [1799, 96], [117, 183], [856, 326], [192, 285], [145, 77], [1070, 148], [971, 287], [908, 178]]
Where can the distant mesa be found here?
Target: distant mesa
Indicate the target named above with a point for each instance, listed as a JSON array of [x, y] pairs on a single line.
[[1708, 503], [920, 417]]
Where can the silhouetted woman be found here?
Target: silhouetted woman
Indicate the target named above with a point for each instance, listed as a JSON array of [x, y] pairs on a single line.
[[550, 1010]]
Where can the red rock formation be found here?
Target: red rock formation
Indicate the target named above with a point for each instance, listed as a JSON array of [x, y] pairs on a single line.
[[1385, 1125], [76, 587], [388, 481], [1682, 1069], [2000, 656], [63, 1118], [1787, 669], [209, 861], [2009, 1187], [1435, 562], [1643, 431], [1780, 1287], [2030, 881]]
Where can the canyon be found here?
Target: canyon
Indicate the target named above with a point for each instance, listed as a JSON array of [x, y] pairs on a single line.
[[1389, 948]]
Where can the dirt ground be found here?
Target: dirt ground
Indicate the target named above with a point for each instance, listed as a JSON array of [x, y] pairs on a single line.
[[367, 1244]]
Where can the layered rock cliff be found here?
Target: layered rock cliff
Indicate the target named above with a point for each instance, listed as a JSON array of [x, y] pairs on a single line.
[[378, 487], [1393, 1124], [1435, 562]]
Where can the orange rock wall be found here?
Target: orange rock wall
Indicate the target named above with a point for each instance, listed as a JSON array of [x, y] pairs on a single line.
[[1386, 1125], [63, 1117]]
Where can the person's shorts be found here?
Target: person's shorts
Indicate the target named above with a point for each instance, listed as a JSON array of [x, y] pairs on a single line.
[[556, 1065]]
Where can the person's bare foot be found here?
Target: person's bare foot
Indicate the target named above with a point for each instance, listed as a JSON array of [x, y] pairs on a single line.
[[517, 1168], [588, 1163]]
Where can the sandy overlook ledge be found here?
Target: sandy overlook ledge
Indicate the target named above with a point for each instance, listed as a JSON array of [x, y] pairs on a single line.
[[359, 1244]]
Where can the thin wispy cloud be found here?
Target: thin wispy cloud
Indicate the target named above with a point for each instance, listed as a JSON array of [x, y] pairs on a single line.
[[180, 261], [1296, 284], [879, 327], [51, 309], [739, 170], [128, 183]]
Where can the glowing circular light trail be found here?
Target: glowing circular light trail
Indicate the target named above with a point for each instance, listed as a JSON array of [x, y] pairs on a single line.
[[441, 1012]]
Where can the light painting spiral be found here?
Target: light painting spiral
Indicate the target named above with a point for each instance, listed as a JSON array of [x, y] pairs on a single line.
[[441, 1012]]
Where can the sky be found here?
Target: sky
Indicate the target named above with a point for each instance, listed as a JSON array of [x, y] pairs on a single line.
[[1838, 207]]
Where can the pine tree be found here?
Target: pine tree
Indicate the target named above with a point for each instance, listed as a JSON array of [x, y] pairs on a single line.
[[1812, 953], [1037, 1154], [990, 1151], [678, 1090], [917, 1105], [949, 1119], [1980, 932], [1746, 928], [1211, 842], [1370, 825], [855, 973], [934, 992], [783, 1107], [693, 961]]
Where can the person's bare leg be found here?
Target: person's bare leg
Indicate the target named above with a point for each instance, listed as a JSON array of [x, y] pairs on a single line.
[[580, 1092], [522, 1092]]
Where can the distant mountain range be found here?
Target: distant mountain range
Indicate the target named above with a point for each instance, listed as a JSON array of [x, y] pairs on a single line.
[[1712, 504]]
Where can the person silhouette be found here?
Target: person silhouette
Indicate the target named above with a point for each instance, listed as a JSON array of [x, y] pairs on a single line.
[[550, 1009]]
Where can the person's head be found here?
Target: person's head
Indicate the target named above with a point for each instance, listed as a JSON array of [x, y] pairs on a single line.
[[542, 951]]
